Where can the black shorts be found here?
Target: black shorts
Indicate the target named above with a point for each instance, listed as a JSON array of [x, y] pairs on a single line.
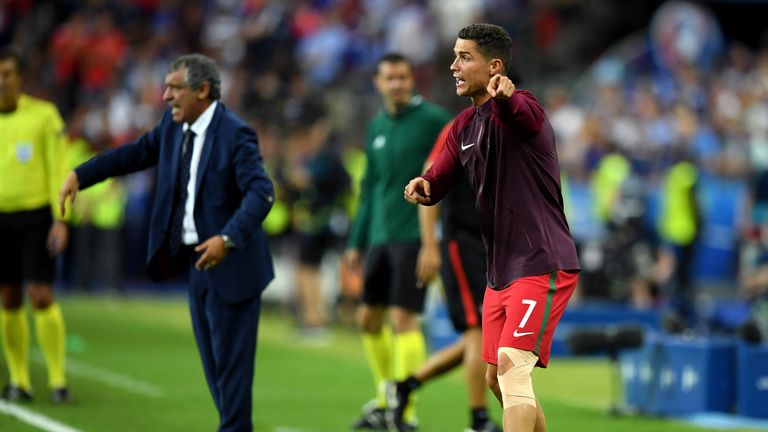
[[390, 277], [464, 279], [312, 247], [24, 253]]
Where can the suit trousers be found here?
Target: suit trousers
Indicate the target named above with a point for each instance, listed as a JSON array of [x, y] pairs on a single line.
[[226, 339]]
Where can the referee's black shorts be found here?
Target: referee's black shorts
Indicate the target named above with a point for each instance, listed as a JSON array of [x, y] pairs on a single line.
[[390, 277], [24, 254], [464, 279]]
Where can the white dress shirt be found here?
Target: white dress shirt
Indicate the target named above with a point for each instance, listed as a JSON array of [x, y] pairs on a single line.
[[199, 127]]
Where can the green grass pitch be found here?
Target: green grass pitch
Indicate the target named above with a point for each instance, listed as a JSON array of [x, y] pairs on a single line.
[[134, 367]]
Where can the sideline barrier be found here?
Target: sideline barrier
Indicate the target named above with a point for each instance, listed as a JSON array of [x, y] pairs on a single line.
[[674, 376], [752, 380]]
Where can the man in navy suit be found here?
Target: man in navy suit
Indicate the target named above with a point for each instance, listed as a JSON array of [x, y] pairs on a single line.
[[212, 194]]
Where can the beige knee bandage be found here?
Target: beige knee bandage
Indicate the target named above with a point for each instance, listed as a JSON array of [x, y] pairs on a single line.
[[514, 373]]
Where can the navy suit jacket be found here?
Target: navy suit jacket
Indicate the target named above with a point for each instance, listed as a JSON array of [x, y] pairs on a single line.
[[233, 196]]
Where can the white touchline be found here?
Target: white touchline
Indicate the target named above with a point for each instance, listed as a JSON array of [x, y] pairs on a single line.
[[32, 418], [108, 377]]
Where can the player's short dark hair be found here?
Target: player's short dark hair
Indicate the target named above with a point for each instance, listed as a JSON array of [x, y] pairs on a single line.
[[393, 57], [10, 52], [492, 41], [199, 69]]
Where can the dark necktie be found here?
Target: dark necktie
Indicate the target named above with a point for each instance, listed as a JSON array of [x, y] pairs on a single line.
[[180, 198]]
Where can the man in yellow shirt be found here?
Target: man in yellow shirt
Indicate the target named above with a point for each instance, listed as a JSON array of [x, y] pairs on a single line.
[[32, 165]]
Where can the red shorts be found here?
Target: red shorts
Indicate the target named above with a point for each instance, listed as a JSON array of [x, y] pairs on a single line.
[[524, 314]]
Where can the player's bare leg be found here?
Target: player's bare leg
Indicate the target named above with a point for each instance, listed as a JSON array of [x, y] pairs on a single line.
[[541, 422], [474, 367], [492, 379], [442, 361], [312, 302]]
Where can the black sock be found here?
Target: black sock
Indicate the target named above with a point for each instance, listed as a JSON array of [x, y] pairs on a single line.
[[479, 417], [411, 383]]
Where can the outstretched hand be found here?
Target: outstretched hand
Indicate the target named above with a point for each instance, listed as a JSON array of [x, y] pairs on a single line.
[[418, 191], [500, 87], [68, 191]]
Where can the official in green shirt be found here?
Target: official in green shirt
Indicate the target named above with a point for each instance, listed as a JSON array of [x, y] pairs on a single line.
[[398, 141], [33, 143]]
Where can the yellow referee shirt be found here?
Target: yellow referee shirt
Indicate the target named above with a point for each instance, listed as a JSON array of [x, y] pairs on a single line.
[[33, 144]]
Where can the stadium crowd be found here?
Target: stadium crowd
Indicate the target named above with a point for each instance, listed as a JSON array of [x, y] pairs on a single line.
[[638, 113]]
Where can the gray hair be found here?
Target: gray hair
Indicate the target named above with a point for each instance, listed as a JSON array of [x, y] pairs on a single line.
[[199, 69]]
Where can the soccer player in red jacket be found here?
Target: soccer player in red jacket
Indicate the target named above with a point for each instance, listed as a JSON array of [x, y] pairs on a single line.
[[505, 144]]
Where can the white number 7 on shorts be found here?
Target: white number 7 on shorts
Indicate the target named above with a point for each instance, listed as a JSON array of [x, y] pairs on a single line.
[[531, 304]]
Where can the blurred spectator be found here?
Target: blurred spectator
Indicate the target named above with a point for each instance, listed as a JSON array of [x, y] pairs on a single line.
[[103, 53], [98, 217], [754, 283], [321, 49], [316, 177], [567, 120], [267, 33], [679, 225], [67, 46]]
